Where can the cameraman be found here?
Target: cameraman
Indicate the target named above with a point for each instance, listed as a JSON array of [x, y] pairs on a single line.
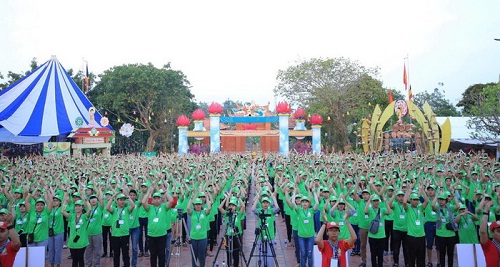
[[266, 217], [233, 217]]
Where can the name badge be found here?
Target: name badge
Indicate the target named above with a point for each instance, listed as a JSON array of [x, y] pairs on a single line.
[[77, 226], [19, 222], [39, 220], [433, 213], [155, 220], [131, 217], [443, 219], [401, 216], [355, 214], [198, 227], [91, 220], [366, 216], [120, 221], [380, 224], [465, 226], [341, 223], [417, 222], [306, 221], [334, 262], [106, 215]]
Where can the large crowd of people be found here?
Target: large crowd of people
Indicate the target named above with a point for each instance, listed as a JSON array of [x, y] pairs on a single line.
[[98, 206]]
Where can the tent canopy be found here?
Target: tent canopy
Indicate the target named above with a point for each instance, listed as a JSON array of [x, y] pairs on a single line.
[[46, 102]]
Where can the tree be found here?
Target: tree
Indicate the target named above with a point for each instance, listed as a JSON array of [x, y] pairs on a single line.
[[439, 104], [486, 112], [470, 97], [149, 97], [14, 77], [333, 88]]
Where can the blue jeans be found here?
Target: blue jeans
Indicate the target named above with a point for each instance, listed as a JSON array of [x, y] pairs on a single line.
[[134, 238], [143, 235], [55, 248], [306, 245], [317, 221], [295, 237], [167, 247], [265, 254], [200, 251]]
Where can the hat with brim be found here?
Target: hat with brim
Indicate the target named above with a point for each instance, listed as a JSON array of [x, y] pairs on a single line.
[[58, 197], [93, 196], [331, 225], [18, 190], [414, 196], [197, 201], [77, 194], [4, 211], [443, 196], [304, 198], [375, 198], [79, 202], [494, 225], [400, 193], [157, 194], [40, 200], [266, 199], [120, 196]]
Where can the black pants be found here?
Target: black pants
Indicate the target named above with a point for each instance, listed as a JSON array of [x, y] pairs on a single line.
[[389, 225], [446, 245], [416, 251], [77, 257], [398, 238], [288, 228], [236, 249], [24, 240], [377, 251], [212, 233], [157, 249], [143, 235], [120, 243], [106, 232]]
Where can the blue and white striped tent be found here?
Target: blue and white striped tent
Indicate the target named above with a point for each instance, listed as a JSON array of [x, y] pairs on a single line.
[[45, 102]]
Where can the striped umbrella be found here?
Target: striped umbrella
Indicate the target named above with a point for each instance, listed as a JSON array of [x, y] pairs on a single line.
[[46, 102]]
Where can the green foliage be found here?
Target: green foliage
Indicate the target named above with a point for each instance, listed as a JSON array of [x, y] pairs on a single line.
[[333, 88], [486, 111], [13, 77], [148, 97], [439, 104], [470, 97]]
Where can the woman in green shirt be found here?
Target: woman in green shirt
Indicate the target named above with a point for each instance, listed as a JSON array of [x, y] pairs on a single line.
[[56, 231], [376, 240], [78, 238], [200, 222], [466, 227]]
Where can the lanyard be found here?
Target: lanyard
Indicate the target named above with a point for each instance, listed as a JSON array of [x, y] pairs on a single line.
[[334, 249], [417, 213], [198, 214], [304, 212]]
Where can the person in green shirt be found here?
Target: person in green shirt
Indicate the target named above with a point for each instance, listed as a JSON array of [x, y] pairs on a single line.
[[376, 240], [200, 222], [159, 226], [94, 231], [120, 227], [56, 231], [78, 238], [466, 227], [233, 213], [266, 217], [21, 216], [400, 229], [416, 231], [445, 235], [106, 226]]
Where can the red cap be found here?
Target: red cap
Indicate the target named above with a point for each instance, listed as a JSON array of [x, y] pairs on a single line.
[[3, 225], [494, 225], [332, 225]]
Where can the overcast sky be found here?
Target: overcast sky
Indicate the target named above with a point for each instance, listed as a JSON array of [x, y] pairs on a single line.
[[234, 49]]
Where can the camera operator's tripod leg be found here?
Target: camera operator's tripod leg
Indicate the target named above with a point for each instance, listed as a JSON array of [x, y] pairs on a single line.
[[240, 248], [253, 250], [221, 244]]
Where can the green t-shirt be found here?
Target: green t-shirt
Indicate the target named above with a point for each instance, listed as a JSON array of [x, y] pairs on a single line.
[[467, 230], [39, 225], [107, 217], [158, 220], [200, 224], [77, 227], [416, 220], [56, 220], [363, 219], [95, 221], [120, 224], [134, 216], [269, 221], [22, 221], [400, 220], [372, 213], [305, 222], [444, 218], [430, 214], [338, 217], [237, 219]]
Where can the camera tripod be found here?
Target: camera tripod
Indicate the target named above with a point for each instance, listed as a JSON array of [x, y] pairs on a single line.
[[177, 251], [262, 240], [231, 236]]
